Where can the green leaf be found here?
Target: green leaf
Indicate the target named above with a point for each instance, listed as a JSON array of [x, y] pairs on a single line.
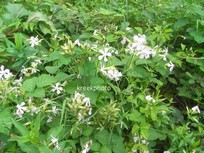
[[44, 149], [18, 40], [45, 80], [52, 69], [103, 137], [39, 17], [105, 149], [29, 84], [87, 131], [5, 121], [39, 93], [95, 146], [28, 147], [20, 127], [136, 116]]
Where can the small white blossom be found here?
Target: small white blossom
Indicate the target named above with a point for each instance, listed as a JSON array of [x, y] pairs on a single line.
[[105, 53], [57, 88], [55, 110], [90, 111], [149, 98], [144, 53], [103, 70], [195, 109], [21, 109], [77, 42], [170, 65], [95, 32], [18, 81], [80, 117], [135, 138], [38, 62], [114, 74], [34, 109], [5, 73], [49, 120], [55, 142], [165, 54], [140, 39], [123, 41], [34, 41], [87, 147], [166, 152], [24, 70], [86, 100]]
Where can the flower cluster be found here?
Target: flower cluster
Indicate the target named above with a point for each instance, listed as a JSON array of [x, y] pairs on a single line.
[[81, 105], [5, 73], [139, 47], [111, 72]]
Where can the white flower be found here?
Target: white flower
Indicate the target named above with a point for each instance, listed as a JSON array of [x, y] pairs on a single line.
[[95, 32], [166, 152], [135, 138], [144, 53], [20, 109], [170, 65], [55, 142], [90, 111], [56, 88], [165, 54], [87, 147], [34, 41], [5, 73], [140, 39], [34, 110], [80, 117], [18, 81], [196, 109], [149, 98], [105, 53], [114, 74], [55, 110], [55, 37], [77, 42], [103, 70], [37, 61], [49, 120], [78, 97], [24, 70], [86, 100], [123, 41]]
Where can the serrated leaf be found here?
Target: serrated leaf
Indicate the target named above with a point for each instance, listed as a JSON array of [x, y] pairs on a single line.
[[39, 93], [105, 149], [29, 85], [52, 69], [103, 137], [45, 80]]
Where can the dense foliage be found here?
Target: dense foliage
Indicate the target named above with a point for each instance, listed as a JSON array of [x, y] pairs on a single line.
[[101, 76]]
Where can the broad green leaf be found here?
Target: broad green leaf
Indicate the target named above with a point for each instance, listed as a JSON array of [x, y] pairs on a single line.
[[20, 127], [136, 116], [61, 76], [87, 131], [105, 149], [95, 146], [29, 84], [28, 147], [39, 17], [44, 149], [39, 93], [5, 121], [52, 69], [45, 80], [103, 137]]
